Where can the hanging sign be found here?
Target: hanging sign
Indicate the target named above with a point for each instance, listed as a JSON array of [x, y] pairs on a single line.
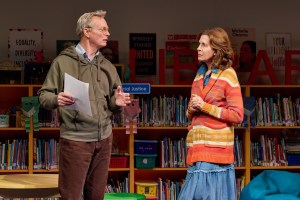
[[136, 88]]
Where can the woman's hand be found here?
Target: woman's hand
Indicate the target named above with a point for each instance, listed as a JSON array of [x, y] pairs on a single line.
[[196, 103]]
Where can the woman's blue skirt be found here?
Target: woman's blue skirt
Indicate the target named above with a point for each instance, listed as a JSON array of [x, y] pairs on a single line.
[[208, 181]]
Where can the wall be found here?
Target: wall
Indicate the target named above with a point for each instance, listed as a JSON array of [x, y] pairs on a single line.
[[57, 19]]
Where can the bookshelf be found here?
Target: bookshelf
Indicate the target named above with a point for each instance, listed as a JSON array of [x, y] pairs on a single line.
[[145, 131], [275, 130]]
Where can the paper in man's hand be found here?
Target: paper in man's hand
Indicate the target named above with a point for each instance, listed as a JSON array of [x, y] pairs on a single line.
[[80, 92]]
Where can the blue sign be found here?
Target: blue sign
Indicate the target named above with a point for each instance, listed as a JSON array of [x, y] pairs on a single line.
[[136, 88]]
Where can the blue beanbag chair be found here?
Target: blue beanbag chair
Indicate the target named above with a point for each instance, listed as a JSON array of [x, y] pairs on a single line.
[[273, 185]]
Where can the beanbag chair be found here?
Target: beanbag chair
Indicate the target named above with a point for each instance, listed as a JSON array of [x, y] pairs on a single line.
[[273, 185]]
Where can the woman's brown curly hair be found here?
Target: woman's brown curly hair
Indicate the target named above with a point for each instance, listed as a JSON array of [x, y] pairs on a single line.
[[220, 43]]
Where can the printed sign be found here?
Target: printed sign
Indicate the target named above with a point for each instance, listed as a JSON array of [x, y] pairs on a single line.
[[136, 88], [276, 45], [144, 45], [23, 45]]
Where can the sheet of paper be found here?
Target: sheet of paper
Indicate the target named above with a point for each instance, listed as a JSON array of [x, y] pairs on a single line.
[[80, 92]]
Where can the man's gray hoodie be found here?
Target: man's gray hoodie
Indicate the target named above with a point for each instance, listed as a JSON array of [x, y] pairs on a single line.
[[102, 78]]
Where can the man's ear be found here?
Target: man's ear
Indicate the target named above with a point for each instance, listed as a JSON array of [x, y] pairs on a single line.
[[86, 32]]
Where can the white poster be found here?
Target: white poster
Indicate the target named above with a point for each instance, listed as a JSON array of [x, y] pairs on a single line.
[[276, 45], [23, 45], [244, 45]]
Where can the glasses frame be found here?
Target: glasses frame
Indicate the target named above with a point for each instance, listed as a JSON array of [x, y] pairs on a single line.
[[104, 30]]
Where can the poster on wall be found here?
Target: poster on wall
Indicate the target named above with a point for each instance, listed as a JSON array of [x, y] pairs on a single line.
[[24, 45], [180, 42], [276, 45], [181, 58], [144, 45], [244, 45]]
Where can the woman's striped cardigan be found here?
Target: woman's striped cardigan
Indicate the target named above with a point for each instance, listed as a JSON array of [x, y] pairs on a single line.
[[211, 133]]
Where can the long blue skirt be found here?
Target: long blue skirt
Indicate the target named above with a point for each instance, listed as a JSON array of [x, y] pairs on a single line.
[[208, 181]]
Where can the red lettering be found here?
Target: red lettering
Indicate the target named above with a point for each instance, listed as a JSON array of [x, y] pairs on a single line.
[[262, 56], [288, 65]]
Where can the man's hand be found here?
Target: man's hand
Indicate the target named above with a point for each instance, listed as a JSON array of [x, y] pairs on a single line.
[[122, 99], [65, 99]]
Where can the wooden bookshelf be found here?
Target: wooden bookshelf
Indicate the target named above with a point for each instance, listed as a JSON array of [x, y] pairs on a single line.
[[13, 94]]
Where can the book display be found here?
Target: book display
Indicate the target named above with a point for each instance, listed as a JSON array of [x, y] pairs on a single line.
[[151, 158]]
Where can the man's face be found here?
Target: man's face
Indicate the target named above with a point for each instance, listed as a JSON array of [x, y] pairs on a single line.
[[98, 33]]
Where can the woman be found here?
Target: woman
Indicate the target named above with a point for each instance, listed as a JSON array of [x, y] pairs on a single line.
[[214, 107]]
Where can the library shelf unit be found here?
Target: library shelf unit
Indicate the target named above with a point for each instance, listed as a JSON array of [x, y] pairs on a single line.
[[11, 96], [274, 130]]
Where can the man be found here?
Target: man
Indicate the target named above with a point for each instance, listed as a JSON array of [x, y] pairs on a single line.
[[85, 141]]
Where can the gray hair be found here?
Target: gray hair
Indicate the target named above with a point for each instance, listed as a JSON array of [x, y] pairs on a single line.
[[84, 21]]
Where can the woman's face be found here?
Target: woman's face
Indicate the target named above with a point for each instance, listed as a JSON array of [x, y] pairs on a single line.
[[205, 52], [245, 54]]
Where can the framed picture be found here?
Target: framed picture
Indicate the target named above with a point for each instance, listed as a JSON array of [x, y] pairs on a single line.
[[120, 70]]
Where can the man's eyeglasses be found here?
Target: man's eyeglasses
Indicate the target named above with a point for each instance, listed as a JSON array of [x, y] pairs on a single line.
[[103, 30]]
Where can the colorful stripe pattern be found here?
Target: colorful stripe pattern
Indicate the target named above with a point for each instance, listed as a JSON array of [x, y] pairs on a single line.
[[211, 133]]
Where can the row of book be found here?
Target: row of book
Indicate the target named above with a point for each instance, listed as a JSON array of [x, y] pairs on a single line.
[[170, 111], [168, 190], [276, 111], [163, 111], [159, 111], [14, 154], [45, 153], [115, 185], [268, 151], [238, 152], [173, 153]]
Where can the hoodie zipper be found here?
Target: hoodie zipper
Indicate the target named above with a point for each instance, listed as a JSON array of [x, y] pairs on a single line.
[[95, 94]]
